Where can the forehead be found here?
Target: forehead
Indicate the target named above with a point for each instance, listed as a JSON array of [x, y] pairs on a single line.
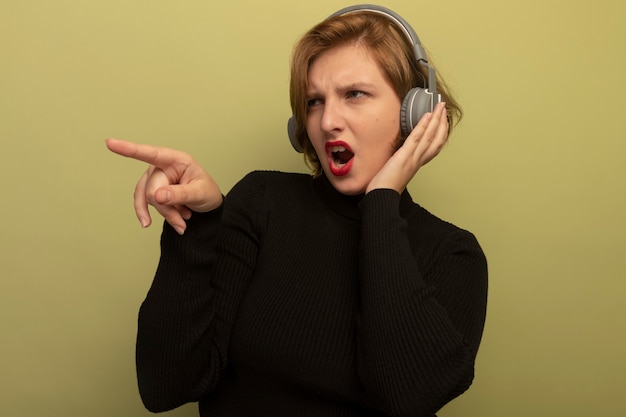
[[347, 63]]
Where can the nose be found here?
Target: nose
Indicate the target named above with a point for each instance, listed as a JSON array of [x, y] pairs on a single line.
[[332, 120]]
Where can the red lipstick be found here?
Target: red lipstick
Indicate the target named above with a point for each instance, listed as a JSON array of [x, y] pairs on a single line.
[[340, 157]]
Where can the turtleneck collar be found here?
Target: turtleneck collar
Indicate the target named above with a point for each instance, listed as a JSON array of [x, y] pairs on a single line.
[[348, 205], [345, 205]]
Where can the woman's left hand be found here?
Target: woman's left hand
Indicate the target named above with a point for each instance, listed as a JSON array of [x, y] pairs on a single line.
[[420, 147]]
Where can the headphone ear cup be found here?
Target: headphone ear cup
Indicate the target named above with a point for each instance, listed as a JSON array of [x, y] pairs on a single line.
[[291, 131], [415, 104]]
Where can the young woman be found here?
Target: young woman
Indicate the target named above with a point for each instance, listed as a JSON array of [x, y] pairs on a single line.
[[332, 294]]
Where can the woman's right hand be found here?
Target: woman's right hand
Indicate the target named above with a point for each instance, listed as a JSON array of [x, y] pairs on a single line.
[[174, 183]]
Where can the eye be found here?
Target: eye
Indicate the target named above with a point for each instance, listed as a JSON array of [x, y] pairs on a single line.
[[356, 94], [313, 102]]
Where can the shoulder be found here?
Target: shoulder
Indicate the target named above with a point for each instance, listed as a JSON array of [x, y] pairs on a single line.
[[441, 234], [451, 256], [267, 187], [273, 179]]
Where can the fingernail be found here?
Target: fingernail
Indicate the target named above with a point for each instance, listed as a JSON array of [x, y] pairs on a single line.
[[144, 222], [180, 230], [164, 196]]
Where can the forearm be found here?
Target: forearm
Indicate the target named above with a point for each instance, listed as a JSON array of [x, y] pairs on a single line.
[[178, 354], [186, 320], [414, 355]]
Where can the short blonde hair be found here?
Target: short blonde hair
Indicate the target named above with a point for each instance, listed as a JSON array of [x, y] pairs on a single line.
[[389, 46]]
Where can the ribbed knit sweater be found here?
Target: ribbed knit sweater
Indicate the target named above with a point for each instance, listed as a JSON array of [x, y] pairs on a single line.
[[294, 300]]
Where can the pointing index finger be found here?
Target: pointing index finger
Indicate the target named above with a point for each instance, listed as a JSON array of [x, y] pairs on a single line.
[[154, 155]]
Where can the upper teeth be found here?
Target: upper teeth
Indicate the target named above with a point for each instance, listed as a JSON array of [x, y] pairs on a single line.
[[339, 148]]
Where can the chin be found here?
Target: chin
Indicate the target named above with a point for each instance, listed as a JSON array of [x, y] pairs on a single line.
[[347, 187]]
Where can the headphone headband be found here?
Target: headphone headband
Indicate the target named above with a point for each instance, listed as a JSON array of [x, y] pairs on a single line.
[[420, 54]]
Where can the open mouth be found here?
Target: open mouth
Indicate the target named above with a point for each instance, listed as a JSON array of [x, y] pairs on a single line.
[[340, 158], [340, 155]]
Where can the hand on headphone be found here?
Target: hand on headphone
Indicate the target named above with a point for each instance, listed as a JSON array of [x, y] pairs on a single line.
[[420, 147], [174, 183]]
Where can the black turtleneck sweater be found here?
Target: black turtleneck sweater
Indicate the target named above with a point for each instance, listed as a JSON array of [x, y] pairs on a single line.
[[294, 300]]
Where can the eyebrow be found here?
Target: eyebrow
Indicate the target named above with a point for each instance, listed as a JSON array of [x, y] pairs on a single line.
[[359, 85], [362, 85]]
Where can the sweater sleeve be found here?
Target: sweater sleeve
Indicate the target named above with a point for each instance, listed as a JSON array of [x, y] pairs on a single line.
[[170, 336], [186, 319], [419, 327]]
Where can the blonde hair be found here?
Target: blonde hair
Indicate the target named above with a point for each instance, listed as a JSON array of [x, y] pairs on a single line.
[[388, 45]]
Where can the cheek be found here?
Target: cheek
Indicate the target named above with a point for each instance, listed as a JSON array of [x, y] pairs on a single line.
[[389, 123], [388, 132], [312, 133], [315, 136]]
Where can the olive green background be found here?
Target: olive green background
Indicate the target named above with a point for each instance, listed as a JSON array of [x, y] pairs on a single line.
[[536, 170]]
